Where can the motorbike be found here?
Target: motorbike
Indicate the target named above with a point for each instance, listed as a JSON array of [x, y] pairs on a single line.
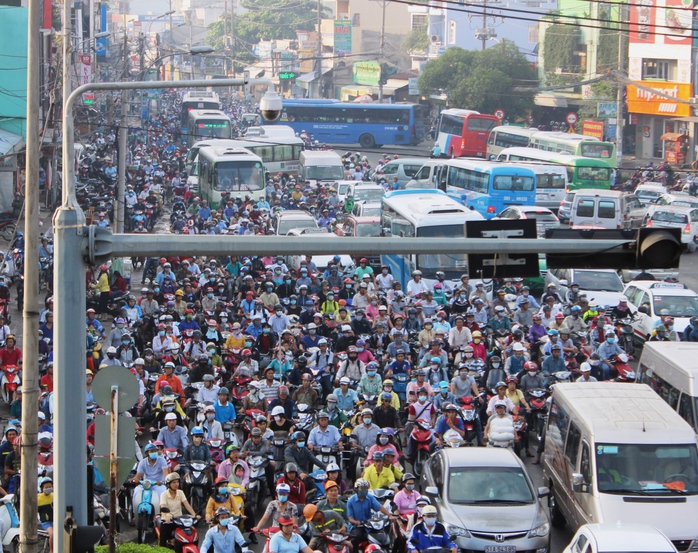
[[468, 413], [451, 438], [147, 503], [422, 436], [257, 487], [521, 427], [625, 333], [335, 543], [9, 523], [400, 382], [45, 455], [328, 454], [185, 535], [625, 372], [377, 531], [278, 445], [539, 410], [9, 382], [173, 458], [197, 484], [317, 492], [502, 433], [306, 418]]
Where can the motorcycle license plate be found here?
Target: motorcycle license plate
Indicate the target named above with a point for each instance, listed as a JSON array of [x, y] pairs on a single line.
[[500, 549]]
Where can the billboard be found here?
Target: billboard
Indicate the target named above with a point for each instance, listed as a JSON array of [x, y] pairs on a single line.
[[645, 101], [593, 128], [677, 15], [643, 17], [342, 36]]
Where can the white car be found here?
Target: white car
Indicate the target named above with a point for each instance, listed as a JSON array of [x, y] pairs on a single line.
[[619, 538], [342, 186], [604, 286], [367, 209], [365, 192], [649, 192], [321, 261], [649, 299], [543, 217], [681, 217]]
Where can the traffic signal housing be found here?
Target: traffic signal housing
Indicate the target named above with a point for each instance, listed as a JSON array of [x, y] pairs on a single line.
[[647, 248]]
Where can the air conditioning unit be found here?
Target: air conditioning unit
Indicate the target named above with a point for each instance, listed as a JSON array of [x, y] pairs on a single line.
[[435, 38]]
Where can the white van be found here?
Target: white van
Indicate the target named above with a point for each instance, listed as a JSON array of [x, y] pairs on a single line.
[[616, 452], [670, 369], [426, 176], [606, 209], [320, 166]]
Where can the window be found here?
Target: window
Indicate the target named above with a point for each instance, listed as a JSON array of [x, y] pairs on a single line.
[[514, 182], [451, 32], [389, 169], [664, 70], [478, 124], [585, 208], [411, 170], [451, 125], [580, 544], [665, 390], [561, 420], [585, 465], [423, 173], [420, 22], [630, 294], [553, 180], [686, 409], [607, 209], [572, 446], [506, 140]]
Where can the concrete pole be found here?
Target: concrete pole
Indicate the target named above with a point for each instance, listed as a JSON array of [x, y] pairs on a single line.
[[30, 345], [70, 456], [619, 96], [120, 212], [381, 55]]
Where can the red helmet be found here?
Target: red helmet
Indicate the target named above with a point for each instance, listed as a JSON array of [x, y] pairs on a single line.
[[363, 260], [512, 377], [163, 260], [246, 352], [530, 366], [348, 281], [373, 548]]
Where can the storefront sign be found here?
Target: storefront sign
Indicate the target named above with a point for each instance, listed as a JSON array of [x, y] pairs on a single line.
[[645, 101], [606, 109], [342, 36], [593, 128], [367, 72]]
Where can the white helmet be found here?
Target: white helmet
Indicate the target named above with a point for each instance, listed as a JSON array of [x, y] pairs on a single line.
[[332, 467], [278, 410]]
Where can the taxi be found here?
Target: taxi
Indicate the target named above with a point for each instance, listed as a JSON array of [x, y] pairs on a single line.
[[649, 300]]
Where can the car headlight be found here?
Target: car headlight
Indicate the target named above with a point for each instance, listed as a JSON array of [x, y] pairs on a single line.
[[540, 531], [457, 531]]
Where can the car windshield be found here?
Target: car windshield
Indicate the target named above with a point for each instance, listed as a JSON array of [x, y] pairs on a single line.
[[599, 281], [649, 193], [369, 229], [542, 216], [368, 194], [371, 210], [670, 217], [328, 172], [647, 469], [494, 485], [677, 306], [685, 203], [287, 224]]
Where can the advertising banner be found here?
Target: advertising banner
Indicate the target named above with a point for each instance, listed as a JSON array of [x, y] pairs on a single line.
[[593, 128], [342, 36], [643, 17], [645, 101]]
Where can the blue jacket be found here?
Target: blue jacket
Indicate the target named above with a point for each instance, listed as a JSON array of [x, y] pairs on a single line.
[[420, 539], [222, 543]]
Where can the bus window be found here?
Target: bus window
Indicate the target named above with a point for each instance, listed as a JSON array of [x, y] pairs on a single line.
[[607, 209], [400, 227], [585, 208], [686, 409], [451, 125], [513, 182]]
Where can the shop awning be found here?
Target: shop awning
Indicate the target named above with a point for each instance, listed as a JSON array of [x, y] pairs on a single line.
[[672, 136], [10, 143], [550, 100], [254, 71], [387, 90], [306, 77], [692, 119]]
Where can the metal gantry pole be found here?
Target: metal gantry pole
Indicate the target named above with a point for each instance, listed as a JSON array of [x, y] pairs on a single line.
[[30, 333]]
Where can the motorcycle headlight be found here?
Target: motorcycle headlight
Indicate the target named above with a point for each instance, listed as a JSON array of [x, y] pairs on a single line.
[[540, 531], [457, 531]]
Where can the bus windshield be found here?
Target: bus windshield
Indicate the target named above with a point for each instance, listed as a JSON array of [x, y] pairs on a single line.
[[599, 150], [372, 229], [212, 128], [318, 172], [452, 265], [238, 176], [594, 173], [368, 194], [647, 469]]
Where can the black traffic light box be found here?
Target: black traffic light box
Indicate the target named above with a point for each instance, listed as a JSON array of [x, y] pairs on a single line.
[[647, 248]]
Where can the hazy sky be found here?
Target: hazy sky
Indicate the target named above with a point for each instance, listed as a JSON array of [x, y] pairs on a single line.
[[150, 6]]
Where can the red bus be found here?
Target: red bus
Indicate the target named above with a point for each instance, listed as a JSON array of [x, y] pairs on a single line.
[[463, 132]]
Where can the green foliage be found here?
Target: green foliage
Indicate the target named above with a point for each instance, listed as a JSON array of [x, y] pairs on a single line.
[[265, 20], [482, 80], [133, 548], [416, 41], [560, 44]]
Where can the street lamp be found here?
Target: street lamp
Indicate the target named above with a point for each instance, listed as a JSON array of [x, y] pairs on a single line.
[[171, 12]]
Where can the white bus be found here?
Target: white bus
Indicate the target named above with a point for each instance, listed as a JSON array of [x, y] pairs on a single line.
[[196, 99], [208, 123], [425, 214], [230, 172], [508, 136], [551, 176]]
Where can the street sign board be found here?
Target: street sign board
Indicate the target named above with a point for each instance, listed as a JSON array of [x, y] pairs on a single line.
[[499, 114], [116, 375], [571, 118], [287, 75], [502, 265], [125, 445]]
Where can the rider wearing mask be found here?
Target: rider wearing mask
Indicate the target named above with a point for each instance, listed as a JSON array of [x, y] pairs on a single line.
[[429, 533]]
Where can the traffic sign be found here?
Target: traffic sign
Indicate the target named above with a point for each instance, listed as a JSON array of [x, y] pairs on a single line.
[[512, 265], [115, 375], [287, 75], [499, 114], [125, 445], [571, 118], [88, 98]]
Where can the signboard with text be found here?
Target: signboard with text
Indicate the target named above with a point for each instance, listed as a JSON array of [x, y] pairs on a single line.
[[366, 72], [645, 101], [342, 36], [593, 128], [606, 109]]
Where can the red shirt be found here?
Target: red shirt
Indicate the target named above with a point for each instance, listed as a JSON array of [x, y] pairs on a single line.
[[297, 494], [8, 357], [47, 381]]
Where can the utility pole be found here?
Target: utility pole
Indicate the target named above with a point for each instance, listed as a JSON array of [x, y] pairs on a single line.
[[318, 50], [120, 205], [484, 25], [381, 55], [232, 33], [621, 87], [30, 375]]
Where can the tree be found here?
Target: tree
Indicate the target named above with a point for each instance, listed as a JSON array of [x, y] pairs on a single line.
[[265, 20], [482, 80], [416, 41]]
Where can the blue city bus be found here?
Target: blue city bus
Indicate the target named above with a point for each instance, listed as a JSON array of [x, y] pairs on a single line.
[[487, 187], [369, 125]]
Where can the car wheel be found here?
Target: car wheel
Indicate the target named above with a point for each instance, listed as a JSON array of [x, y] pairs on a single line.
[[557, 519]]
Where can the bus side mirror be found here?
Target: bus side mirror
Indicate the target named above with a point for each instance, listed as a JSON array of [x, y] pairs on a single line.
[[492, 157], [578, 485]]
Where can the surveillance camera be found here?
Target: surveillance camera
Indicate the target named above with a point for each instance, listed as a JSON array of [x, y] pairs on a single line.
[[270, 105]]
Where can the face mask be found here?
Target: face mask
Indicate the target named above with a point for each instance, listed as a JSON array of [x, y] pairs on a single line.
[[149, 357], [531, 373], [374, 303], [301, 444], [360, 349], [224, 319], [210, 416], [110, 355], [383, 440], [48, 491], [468, 355], [312, 331], [462, 296], [368, 420], [283, 498], [126, 342], [288, 282], [248, 344], [419, 511], [277, 419], [269, 289], [422, 399], [153, 456], [223, 521], [190, 317], [463, 375], [156, 290], [362, 493], [430, 521], [371, 373], [409, 487], [211, 351], [293, 302], [119, 325], [209, 296], [223, 490], [161, 333]]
